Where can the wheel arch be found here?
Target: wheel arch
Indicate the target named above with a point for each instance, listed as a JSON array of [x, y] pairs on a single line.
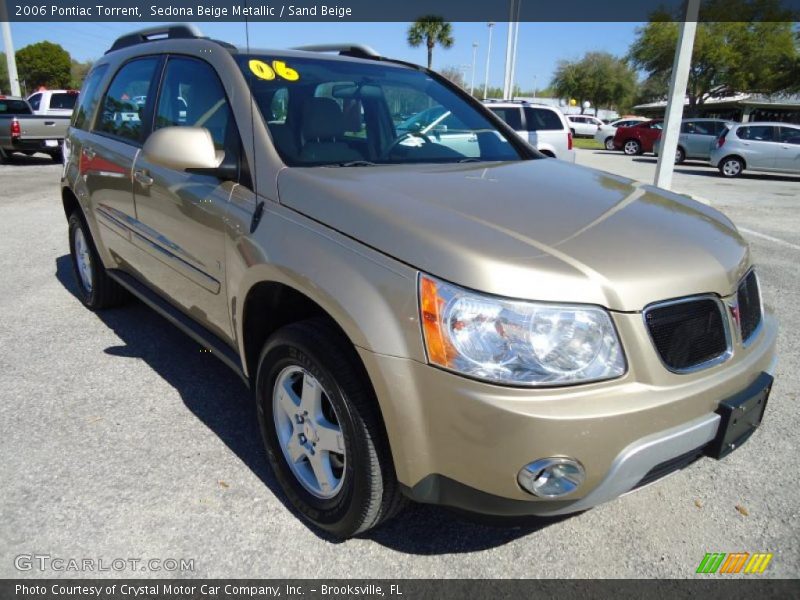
[[734, 155]]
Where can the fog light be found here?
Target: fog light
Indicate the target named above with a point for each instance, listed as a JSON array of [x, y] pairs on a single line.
[[552, 477]]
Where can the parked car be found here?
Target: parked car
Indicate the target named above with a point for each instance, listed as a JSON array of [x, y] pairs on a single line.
[[413, 322], [543, 127], [22, 131], [638, 138], [771, 147], [58, 103], [583, 125], [605, 133], [696, 139]]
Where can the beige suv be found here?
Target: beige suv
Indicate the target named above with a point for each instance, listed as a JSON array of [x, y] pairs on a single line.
[[450, 319]]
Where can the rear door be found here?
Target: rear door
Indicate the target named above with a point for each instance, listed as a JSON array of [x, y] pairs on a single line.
[[699, 137], [788, 152], [759, 145], [181, 214], [107, 155]]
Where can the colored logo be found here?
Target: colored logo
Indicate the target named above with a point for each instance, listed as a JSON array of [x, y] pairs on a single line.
[[735, 562]]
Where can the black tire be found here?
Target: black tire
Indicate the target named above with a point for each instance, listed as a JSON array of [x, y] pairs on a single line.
[[5, 157], [632, 147], [104, 291], [609, 143], [680, 156], [369, 492], [58, 157], [731, 166]]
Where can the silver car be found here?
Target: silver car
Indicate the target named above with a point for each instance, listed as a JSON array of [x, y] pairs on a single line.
[[543, 127], [698, 137], [772, 147]]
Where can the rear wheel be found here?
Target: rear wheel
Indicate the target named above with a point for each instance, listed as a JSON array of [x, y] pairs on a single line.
[[632, 147], [322, 430], [609, 143], [58, 157], [680, 155], [95, 288], [731, 166], [5, 157]]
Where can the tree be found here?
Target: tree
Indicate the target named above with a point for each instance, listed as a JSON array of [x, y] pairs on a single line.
[[430, 30], [454, 75], [599, 77], [78, 72], [44, 64], [5, 85], [749, 55]]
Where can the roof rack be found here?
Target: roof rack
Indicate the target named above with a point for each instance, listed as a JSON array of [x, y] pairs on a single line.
[[354, 50], [161, 32]]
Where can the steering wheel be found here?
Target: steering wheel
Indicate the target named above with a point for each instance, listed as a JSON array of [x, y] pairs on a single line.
[[385, 154]]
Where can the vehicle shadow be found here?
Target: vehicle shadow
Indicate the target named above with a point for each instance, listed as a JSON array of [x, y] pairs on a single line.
[[704, 169], [21, 160], [219, 399]]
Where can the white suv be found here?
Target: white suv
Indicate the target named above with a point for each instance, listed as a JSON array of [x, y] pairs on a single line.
[[584, 125], [543, 127]]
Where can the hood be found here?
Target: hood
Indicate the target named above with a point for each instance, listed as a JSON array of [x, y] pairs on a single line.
[[539, 230]]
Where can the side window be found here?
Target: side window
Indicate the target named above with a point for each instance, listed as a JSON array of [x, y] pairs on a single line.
[[541, 119], [719, 127], [192, 96], [88, 98], [789, 135], [124, 103], [64, 101], [510, 115], [35, 101], [758, 133], [688, 127]]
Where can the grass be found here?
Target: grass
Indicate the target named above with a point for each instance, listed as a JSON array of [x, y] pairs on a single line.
[[587, 143]]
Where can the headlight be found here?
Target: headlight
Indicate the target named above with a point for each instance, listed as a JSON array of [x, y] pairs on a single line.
[[518, 343]]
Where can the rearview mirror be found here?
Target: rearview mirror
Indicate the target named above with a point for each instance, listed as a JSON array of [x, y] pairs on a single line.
[[182, 149]]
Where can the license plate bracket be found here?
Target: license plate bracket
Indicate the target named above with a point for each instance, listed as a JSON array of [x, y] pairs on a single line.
[[740, 416]]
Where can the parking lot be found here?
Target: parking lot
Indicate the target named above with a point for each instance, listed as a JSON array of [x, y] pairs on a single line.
[[121, 438]]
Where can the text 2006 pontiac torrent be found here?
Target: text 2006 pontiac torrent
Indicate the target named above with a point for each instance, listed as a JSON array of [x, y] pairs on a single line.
[[434, 313]]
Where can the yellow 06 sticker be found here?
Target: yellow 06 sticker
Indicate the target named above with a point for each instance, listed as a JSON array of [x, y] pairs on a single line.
[[266, 72]]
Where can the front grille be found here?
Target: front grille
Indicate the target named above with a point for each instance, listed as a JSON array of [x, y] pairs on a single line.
[[688, 333], [749, 301]]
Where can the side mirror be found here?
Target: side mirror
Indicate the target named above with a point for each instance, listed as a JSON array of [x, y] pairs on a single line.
[[184, 149]]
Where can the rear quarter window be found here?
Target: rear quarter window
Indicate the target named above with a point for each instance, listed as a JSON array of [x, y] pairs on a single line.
[[541, 119], [89, 97]]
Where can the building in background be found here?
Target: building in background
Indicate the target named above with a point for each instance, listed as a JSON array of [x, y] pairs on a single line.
[[740, 107]]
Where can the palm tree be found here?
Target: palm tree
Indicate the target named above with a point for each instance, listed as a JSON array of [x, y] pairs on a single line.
[[431, 30]]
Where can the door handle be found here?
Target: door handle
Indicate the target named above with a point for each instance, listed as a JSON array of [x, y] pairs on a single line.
[[50, 123], [142, 177]]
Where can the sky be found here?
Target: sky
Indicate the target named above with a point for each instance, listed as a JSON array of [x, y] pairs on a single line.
[[541, 45]]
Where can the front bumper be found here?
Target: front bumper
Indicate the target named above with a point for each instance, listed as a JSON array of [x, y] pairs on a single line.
[[462, 443]]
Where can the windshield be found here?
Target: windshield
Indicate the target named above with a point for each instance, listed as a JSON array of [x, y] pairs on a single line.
[[347, 113]]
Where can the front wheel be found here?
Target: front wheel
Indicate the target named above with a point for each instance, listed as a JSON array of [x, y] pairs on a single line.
[[322, 430], [632, 147], [680, 156], [731, 166], [609, 143]]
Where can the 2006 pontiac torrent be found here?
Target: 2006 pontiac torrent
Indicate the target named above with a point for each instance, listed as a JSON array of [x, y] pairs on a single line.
[[437, 314]]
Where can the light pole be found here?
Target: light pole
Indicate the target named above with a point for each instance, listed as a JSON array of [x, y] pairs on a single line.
[[534, 87], [472, 80], [490, 25], [13, 78]]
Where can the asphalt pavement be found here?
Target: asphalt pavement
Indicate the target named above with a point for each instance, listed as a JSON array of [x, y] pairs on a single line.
[[121, 439]]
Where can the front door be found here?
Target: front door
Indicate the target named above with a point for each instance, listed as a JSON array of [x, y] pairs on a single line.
[[181, 214]]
